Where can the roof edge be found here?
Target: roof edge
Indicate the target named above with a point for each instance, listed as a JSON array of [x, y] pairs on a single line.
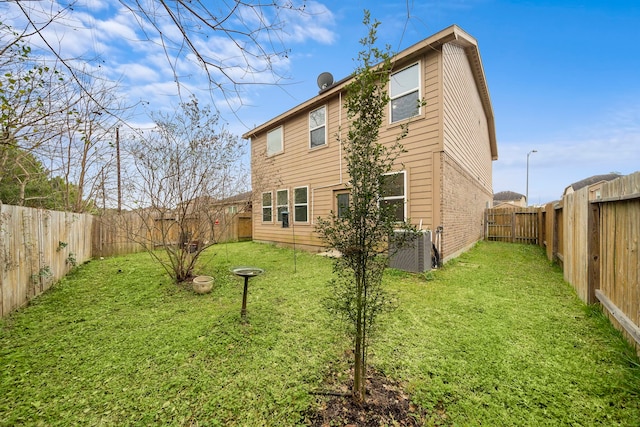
[[450, 34]]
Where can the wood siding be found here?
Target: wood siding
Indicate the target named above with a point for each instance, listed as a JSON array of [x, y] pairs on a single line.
[[323, 169], [449, 150], [465, 131]]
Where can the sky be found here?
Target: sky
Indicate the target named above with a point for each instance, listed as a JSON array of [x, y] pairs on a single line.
[[563, 76]]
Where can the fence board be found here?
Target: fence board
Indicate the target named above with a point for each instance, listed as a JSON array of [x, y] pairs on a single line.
[[123, 233], [596, 242], [575, 245], [620, 261], [37, 248], [620, 253], [513, 225]]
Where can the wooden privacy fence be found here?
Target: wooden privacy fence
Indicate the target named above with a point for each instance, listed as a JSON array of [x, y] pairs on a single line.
[[594, 235], [513, 225], [614, 252], [122, 233], [37, 248]]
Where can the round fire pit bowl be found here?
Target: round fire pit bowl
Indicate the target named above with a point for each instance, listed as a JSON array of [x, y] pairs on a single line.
[[202, 284]]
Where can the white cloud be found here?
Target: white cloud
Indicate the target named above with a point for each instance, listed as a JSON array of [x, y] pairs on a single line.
[[315, 23], [138, 73], [611, 145], [95, 5], [115, 29]]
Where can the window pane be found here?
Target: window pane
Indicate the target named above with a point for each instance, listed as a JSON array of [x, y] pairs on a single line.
[[301, 213], [405, 106], [343, 204], [280, 210], [316, 118], [266, 214], [393, 185], [405, 81], [282, 197], [300, 195], [266, 199], [398, 208], [274, 141], [317, 137]]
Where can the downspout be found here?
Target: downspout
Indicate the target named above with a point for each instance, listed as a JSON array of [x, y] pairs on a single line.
[[313, 190]]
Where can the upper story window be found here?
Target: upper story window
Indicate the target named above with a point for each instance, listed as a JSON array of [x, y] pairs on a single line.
[[274, 141], [405, 93], [267, 207], [301, 204], [318, 127], [282, 202], [394, 194]]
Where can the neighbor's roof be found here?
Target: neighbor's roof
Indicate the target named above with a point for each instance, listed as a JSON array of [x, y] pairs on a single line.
[[450, 34], [593, 179], [507, 195]]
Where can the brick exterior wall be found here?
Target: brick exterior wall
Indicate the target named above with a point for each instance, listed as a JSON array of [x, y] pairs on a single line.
[[464, 200]]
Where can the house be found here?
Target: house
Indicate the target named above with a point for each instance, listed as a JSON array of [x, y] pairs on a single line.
[[509, 199], [595, 179], [444, 179]]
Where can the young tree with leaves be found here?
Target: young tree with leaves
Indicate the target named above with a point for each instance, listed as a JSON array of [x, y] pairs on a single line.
[[362, 231]]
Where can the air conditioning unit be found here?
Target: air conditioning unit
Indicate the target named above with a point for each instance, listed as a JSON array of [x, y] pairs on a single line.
[[414, 255]]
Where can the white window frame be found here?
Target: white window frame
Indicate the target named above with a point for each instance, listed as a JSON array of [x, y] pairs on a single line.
[[315, 128], [270, 193], [402, 197], [275, 136], [280, 207], [305, 204], [406, 92]]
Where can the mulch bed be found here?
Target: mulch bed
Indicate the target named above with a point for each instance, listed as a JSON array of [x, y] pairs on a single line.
[[386, 405]]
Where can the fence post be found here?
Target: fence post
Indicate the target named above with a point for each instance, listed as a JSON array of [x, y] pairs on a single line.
[[593, 274], [556, 242]]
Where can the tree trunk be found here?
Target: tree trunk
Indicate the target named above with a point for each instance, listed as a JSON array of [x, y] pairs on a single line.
[[359, 370]]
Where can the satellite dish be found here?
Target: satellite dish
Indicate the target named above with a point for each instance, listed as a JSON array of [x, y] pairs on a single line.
[[325, 80]]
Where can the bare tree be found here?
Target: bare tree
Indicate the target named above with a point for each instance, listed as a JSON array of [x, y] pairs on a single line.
[[249, 33], [29, 97], [46, 117], [184, 169], [84, 154], [31, 110]]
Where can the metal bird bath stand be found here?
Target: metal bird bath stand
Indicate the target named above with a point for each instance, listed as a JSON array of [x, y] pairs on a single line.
[[246, 272]]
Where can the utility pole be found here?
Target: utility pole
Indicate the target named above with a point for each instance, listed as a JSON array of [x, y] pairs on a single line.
[[528, 154], [118, 168]]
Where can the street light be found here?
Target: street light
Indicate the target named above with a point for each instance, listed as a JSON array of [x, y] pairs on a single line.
[[528, 154]]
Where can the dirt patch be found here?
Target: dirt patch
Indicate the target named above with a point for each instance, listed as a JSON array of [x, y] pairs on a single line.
[[386, 405]]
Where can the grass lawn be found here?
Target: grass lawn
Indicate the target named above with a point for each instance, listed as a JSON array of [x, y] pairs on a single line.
[[494, 338]]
